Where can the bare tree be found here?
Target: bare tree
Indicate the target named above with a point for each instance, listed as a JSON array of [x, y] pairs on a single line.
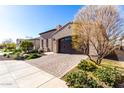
[[7, 41], [100, 27], [8, 44]]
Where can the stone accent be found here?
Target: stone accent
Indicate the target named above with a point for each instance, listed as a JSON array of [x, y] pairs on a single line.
[[46, 45], [55, 46]]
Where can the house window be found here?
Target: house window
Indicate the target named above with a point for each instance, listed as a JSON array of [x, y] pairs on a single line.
[[46, 42]]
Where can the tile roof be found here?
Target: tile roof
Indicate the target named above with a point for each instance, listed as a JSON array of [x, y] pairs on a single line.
[[50, 33]]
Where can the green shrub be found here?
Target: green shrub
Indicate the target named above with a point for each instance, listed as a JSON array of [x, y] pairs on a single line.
[[33, 56], [80, 79], [5, 50], [4, 55], [33, 51], [108, 75], [26, 46], [8, 50], [87, 66], [26, 56], [8, 56], [16, 50], [18, 56]]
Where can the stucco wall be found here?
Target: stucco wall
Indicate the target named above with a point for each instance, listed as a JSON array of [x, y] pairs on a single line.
[[36, 43], [92, 50], [50, 45], [55, 46], [63, 33], [44, 46], [42, 42], [41, 46], [53, 42]]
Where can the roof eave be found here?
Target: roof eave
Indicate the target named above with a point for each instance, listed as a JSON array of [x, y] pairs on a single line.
[[47, 31]]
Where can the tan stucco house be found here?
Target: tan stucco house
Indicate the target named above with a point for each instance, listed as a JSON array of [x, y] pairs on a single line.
[[57, 40]]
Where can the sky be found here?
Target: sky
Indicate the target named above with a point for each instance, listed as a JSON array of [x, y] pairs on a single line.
[[29, 21]]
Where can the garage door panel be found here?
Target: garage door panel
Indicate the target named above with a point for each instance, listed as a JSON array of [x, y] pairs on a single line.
[[65, 45]]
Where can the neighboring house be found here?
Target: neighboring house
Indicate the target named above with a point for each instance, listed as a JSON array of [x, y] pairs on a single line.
[[35, 41]]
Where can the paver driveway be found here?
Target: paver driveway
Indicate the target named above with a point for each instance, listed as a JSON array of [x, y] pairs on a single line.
[[57, 64], [21, 74]]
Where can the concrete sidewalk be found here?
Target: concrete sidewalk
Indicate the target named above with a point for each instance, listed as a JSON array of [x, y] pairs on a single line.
[[18, 74]]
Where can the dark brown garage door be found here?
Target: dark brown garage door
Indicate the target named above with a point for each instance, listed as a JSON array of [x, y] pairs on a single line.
[[65, 45]]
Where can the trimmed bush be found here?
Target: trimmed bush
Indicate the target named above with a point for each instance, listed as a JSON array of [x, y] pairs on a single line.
[[18, 56], [87, 66], [4, 55], [80, 79], [26, 56], [90, 75], [8, 56], [33, 56], [33, 51], [108, 75], [26, 46], [18, 50]]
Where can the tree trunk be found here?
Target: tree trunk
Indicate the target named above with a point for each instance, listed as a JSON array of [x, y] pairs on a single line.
[[98, 61]]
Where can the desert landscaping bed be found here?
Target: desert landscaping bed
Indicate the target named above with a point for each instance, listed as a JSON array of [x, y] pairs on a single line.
[[109, 73]]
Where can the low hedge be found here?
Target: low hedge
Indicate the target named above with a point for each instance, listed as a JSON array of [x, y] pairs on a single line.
[[80, 79], [87, 66], [89, 75], [18, 56], [109, 75]]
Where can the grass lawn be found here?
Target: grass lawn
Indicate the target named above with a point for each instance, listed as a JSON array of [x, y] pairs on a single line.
[[119, 65]]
